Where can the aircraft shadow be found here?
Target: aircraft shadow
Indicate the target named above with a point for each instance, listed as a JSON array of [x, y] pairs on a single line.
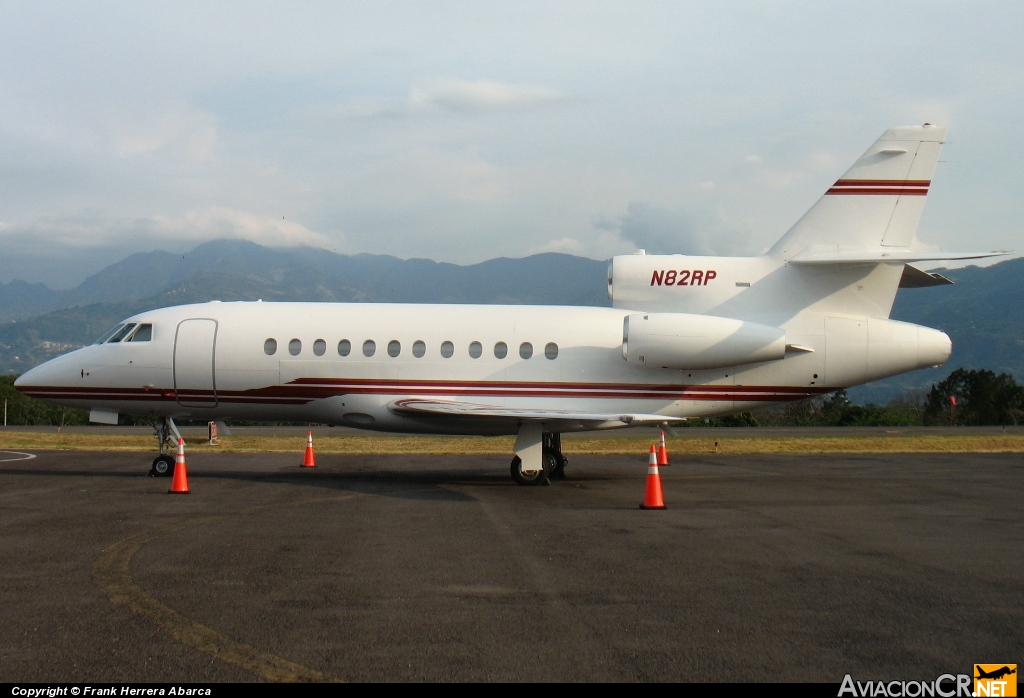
[[417, 485]]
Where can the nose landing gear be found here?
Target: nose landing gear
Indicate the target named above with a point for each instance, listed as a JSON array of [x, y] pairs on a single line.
[[167, 436], [163, 466]]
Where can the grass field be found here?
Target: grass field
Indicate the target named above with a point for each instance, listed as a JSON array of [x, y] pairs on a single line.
[[439, 445]]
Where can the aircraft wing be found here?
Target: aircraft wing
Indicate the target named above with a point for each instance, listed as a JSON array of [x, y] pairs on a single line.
[[451, 409]]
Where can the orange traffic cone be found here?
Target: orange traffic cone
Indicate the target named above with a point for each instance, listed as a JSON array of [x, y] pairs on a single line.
[[662, 451], [310, 460], [653, 498], [179, 485]]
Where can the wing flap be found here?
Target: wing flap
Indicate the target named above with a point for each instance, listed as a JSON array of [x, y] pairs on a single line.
[[469, 410]]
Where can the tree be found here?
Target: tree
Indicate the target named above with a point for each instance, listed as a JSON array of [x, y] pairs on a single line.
[[23, 410], [835, 410], [982, 398]]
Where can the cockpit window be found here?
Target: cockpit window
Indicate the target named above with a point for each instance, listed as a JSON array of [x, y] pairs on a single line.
[[143, 333], [110, 334], [120, 334]]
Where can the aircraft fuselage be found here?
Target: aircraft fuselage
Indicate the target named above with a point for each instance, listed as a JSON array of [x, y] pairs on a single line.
[[349, 364]]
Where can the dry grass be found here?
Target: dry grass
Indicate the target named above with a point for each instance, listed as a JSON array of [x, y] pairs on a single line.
[[443, 445]]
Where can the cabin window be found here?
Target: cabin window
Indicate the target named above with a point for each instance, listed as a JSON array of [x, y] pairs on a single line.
[[550, 350], [447, 349], [525, 350], [295, 347], [110, 334], [394, 348], [319, 347], [270, 347], [419, 348], [369, 348], [344, 347], [143, 333], [500, 350], [119, 335], [475, 350]]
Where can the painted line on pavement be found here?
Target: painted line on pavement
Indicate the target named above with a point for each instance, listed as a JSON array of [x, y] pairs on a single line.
[[19, 454], [112, 571]]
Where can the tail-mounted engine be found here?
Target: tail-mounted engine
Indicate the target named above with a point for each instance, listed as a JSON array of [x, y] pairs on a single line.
[[685, 341], [682, 283]]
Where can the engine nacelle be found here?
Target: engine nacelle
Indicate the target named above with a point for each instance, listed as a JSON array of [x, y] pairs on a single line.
[[685, 341], [684, 284]]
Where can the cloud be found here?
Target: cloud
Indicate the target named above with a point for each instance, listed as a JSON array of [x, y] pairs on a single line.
[[604, 244], [218, 222], [215, 222], [660, 230], [62, 251], [480, 95], [564, 245], [188, 132], [435, 96], [465, 132]]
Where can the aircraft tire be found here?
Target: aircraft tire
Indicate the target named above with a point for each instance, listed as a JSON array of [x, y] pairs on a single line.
[[163, 466], [553, 464], [559, 472], [528, 479]]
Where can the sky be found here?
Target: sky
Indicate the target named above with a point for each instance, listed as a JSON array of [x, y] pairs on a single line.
[[464, 131]]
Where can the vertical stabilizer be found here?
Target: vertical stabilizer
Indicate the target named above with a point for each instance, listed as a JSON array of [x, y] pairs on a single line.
[[844, 258], [877, 203]]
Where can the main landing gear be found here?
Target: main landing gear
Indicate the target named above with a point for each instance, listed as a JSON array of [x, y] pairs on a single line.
[[167, 436], [543, 454]]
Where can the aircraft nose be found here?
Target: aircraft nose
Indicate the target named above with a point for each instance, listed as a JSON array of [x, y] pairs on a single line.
[[52, 373], [27, 378]]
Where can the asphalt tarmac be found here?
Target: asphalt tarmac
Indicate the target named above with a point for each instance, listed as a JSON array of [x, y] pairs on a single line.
[[763, 568]]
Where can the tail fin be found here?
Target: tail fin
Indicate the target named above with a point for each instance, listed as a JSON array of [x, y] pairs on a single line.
[[877, 204], [847, 256]]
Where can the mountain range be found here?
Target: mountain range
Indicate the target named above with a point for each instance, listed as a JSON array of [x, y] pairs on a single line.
[[983, 311]]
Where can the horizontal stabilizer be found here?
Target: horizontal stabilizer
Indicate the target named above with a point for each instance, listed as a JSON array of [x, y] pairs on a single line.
[[918, 278], [451, 408], [880, 256]]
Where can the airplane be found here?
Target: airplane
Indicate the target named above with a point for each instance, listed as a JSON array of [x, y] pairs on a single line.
[[995, 673], [687, 337]]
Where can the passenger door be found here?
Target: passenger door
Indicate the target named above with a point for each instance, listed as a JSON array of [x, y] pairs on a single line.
[[194, 346]]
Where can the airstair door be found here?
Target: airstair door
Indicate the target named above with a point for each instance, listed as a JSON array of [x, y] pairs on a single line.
[[194, 350]]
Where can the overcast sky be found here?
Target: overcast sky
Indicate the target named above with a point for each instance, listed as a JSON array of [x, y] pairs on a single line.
[[463, 131]]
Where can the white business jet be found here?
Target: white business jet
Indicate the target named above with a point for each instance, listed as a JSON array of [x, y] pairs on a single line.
[[686, 337]]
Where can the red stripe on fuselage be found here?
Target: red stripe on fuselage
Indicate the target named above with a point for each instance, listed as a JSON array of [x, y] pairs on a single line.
[[541, 385]]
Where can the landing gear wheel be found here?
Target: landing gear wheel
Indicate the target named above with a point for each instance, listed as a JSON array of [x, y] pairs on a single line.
[[559, 472], [163, 466], [537, 477], [552, 465], [554, 461]]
